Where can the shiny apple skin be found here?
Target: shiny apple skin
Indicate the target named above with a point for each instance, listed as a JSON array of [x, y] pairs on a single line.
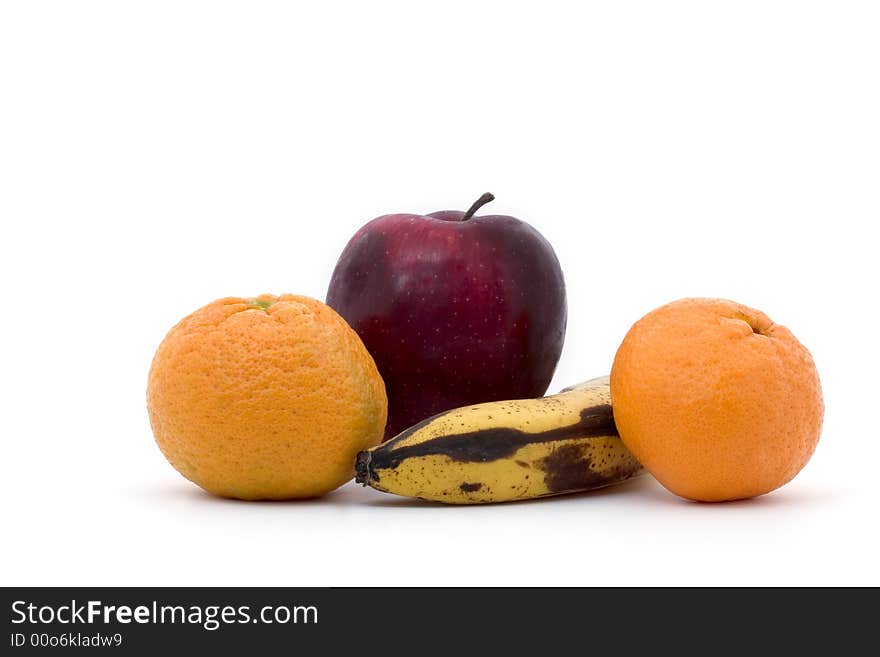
[[453, 312]]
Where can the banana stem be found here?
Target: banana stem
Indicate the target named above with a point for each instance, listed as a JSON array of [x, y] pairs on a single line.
[[362, 468]]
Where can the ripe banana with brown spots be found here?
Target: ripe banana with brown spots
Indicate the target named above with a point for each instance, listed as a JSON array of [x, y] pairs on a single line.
[[506, 450]]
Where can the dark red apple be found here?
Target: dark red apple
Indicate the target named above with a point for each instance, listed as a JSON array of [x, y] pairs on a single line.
[[455, 309]]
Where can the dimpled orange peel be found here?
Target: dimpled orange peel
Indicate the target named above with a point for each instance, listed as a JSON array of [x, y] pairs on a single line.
[[716, 400], [265, 398]]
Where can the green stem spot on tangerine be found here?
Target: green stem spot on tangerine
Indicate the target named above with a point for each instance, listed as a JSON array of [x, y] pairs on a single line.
[[259, 303]]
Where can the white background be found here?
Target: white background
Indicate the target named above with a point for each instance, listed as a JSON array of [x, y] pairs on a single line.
[[155, 156]]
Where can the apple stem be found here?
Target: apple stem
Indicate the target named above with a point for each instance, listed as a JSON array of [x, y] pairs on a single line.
[[480, 202]]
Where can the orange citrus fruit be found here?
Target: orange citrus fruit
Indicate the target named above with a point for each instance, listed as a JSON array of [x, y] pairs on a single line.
[[716, 401], [265, 398]]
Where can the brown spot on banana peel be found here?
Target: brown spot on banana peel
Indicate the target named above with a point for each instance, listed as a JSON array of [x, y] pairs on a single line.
[[470, 488], [486, 445], [567, 469]]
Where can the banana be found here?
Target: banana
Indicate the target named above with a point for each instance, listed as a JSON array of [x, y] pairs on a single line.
[[506, 450]]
